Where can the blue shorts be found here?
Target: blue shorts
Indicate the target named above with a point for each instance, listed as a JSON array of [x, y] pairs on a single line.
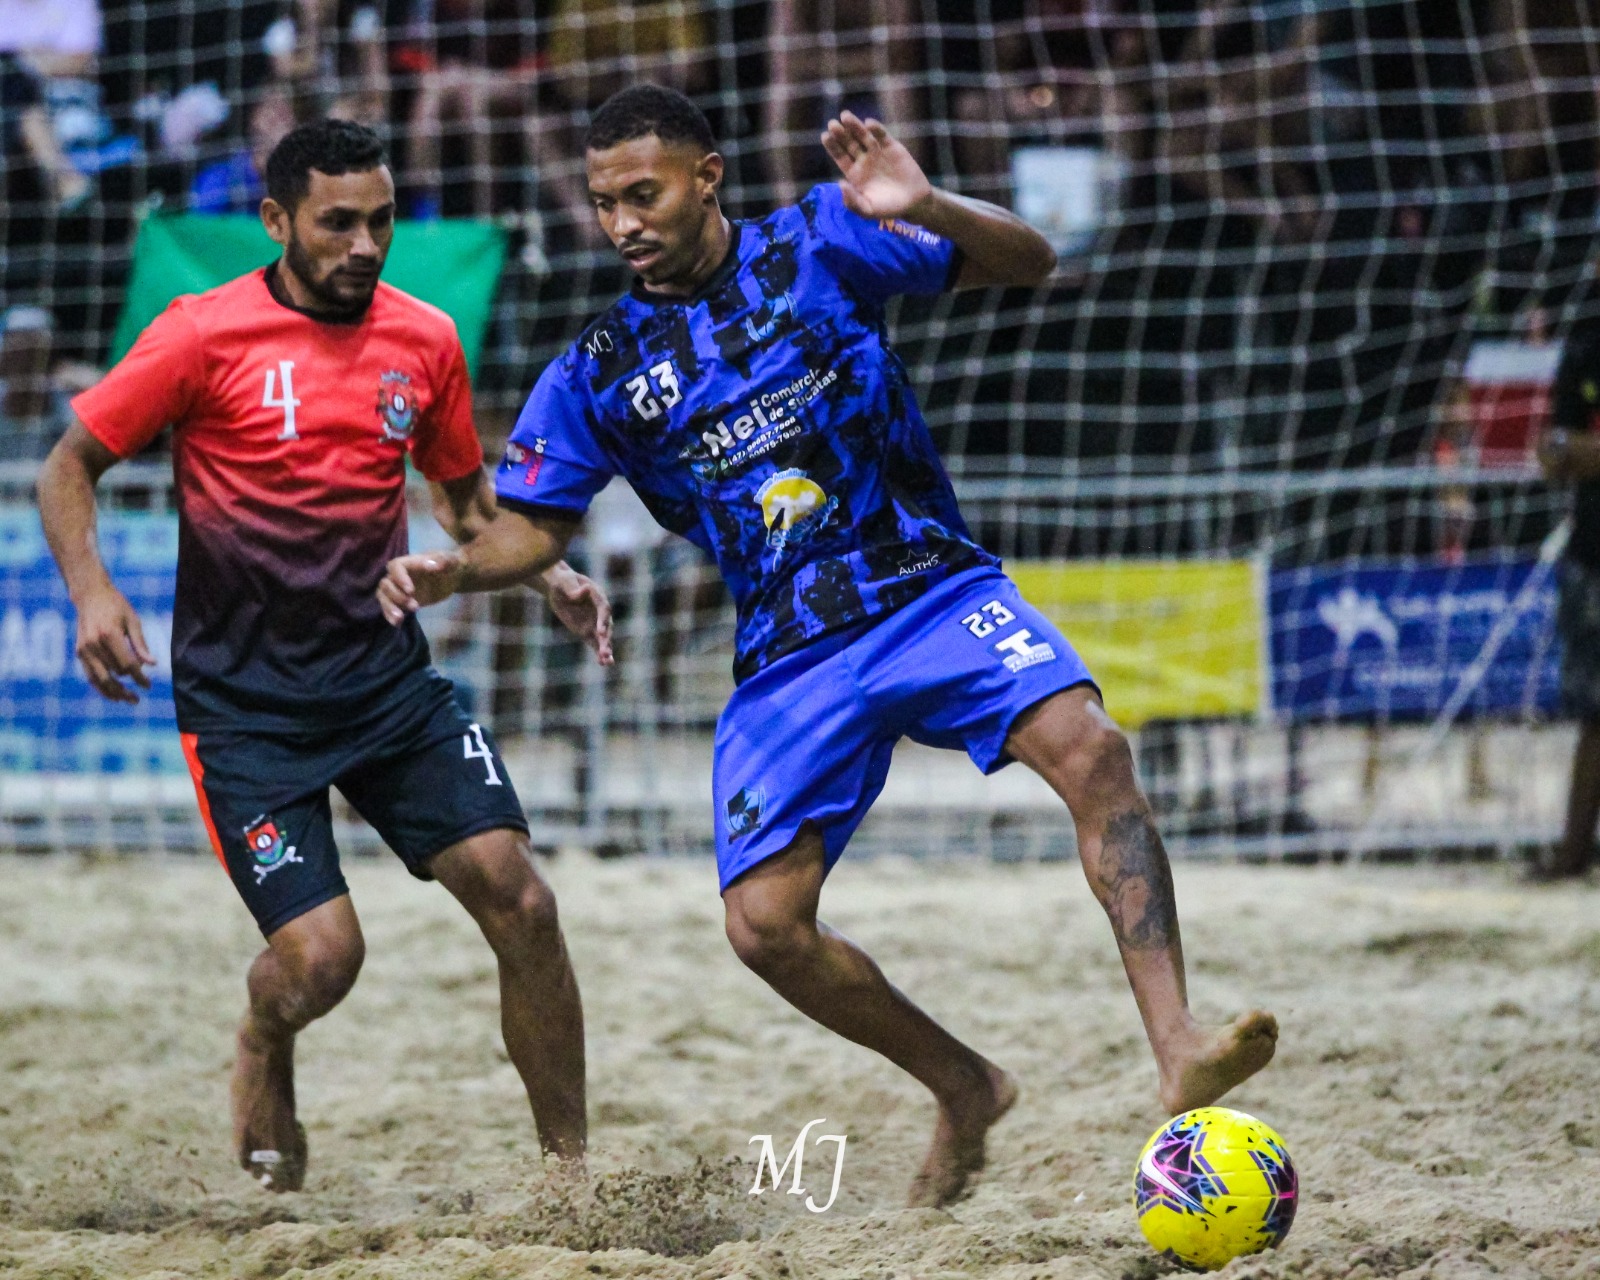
[[809, 738]]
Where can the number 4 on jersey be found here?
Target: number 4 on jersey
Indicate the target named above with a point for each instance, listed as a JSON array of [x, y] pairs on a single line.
[[270, 399]]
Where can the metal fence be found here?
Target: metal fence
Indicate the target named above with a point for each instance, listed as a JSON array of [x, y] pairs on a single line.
[[620, 760]]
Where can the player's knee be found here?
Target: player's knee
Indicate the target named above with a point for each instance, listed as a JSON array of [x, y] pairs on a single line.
[[321, 975], [1096, 762], [518, 912], [768, 942]]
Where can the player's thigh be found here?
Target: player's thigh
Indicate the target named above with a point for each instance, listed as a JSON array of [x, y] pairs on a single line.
[[445, 783], [493, 875], [796, 744], [958, 669], [265, 806]]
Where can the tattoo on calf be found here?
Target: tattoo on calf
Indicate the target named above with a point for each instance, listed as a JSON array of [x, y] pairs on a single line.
[[1137, 882]]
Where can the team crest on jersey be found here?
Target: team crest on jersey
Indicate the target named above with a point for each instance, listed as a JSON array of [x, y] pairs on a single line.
[[792, 505], [268, 847], [396, 408]]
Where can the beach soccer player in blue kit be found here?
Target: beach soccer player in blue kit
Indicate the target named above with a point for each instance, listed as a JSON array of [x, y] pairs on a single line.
[[745, 388]]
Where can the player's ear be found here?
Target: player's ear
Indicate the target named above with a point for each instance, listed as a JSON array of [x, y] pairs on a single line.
[[708, 174], [277, 220]]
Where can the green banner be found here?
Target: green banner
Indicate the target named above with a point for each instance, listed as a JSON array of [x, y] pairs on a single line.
[[454, 264]]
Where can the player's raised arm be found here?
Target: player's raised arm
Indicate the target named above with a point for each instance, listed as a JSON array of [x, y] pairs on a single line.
[[466, 507], [882, 180], [111, 643]]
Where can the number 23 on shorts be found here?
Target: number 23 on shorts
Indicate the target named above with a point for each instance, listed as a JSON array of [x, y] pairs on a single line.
[[984, 621]]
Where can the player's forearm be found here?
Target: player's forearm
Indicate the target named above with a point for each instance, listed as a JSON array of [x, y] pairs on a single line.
[[67, 511], [1001, 245], [546, 579], [510, 552]]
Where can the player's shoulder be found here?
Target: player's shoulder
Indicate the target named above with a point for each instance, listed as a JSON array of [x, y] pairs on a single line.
[[606, 349], [211, 309], [424, 320]]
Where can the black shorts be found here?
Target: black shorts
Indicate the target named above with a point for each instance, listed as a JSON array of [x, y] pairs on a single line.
[[423, 774]]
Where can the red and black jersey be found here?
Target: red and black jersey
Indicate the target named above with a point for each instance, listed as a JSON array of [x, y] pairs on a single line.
[[290, 437]]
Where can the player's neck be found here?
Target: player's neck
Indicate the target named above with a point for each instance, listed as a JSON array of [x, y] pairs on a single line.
[[714, 247], [290, 291]]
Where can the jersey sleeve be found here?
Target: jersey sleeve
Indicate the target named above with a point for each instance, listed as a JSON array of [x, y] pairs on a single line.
[[553, 460], [446, 445], [880, 259], [1570, 408], [159, 381]]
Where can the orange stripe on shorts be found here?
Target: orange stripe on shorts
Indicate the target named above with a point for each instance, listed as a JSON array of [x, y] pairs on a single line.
[[197, 771]]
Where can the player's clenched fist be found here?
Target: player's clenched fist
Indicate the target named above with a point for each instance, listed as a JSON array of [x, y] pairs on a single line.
[[111, 644], [416, 580]]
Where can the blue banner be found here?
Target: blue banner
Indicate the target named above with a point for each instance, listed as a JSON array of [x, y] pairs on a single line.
[[1399, 640], [53, 721], [51, 718]]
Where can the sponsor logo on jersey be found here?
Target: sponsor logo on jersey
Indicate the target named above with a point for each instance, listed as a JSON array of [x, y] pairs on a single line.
[[775, 310], [1021, 653], [792, 505], [517, 454], [910, 230], [396, 407], [268, 847], [744, 810]]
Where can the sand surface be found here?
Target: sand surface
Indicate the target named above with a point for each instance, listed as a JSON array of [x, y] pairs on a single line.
[[1438, 1082]]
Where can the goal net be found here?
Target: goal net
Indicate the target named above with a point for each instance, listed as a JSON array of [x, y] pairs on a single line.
[[1263, 445]]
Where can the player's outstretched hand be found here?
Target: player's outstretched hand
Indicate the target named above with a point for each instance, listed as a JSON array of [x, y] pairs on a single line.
[[881, 178], [582, 608], [111, 645], [417, 580]]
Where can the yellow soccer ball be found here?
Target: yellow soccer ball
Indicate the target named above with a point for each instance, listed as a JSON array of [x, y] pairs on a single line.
[[1212, 1185]]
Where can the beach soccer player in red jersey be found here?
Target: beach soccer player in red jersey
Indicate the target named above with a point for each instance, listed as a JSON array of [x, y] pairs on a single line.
[[296, 394]]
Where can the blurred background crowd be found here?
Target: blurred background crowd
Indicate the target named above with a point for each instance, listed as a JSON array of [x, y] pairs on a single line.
[[1297, 211]]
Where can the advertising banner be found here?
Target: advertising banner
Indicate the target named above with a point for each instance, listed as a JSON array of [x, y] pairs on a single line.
[[53, 721], [1165, 639], [51, 718], [1397, 641], [452, 263]]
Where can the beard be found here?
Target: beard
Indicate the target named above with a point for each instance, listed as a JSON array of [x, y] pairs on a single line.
[[323, 289]]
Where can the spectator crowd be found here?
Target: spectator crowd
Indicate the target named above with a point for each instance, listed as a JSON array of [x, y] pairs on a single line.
[[1335, 177]]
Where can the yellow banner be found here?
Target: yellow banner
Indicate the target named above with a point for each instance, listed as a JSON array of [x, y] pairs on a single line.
[[1164, 639]]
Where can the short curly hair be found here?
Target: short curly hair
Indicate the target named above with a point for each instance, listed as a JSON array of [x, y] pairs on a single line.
[[645, 109], [333, 147]]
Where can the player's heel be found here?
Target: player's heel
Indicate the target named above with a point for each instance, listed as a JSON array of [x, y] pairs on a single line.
[[281, 1170]]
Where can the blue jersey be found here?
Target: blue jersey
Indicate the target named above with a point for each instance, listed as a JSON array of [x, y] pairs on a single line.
[[766, 420]]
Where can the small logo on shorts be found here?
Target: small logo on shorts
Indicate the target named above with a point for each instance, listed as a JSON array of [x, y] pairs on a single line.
[[1020, 654], [267, 847], [744, 810]]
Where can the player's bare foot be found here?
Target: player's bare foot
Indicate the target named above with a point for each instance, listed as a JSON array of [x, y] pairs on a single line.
[[270, 1144], [959, 1139], [1210, 1062]]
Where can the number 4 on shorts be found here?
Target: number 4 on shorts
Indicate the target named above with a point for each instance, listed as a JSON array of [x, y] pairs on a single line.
[[475, 748]]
